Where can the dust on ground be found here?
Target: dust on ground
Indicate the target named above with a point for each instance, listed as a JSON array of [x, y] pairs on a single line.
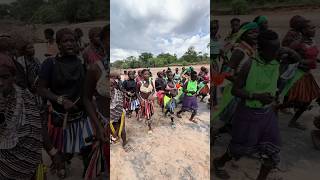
[[299, 159]]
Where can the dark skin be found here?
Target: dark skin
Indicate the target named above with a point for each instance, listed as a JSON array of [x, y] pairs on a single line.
[[67, 47], [267, 54], [146, 76], [193, 78], [235, 26], [170, 92], [131, 77]]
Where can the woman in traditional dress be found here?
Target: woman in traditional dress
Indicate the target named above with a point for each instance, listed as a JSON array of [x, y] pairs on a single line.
[[189, 102], [255, 126], [203, 88], [262, 22], [171, 92], [160, 84], [305, 89], [20, 127], [146, 92], [131, 101], [60, 81], [96, 98], [242, 52]]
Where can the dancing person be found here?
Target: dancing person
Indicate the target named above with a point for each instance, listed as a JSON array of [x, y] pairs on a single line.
[[131, 101], [255, 125], [203, 88], [146, 92], [20, 126], [305, 89], [177, 76], [169, 103], [96, 98], [60, 81], [160, 85], [189, 102]]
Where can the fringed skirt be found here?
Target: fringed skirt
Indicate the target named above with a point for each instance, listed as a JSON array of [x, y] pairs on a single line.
[[304, 90], [189, 103], [160, 96], [203, 89], [73, 138], [169, 103], [100, 155], [131, 103], [147, 108], [255, 131]]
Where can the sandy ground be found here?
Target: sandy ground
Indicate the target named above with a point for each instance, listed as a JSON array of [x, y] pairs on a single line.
[[180, 153], [299, 159]]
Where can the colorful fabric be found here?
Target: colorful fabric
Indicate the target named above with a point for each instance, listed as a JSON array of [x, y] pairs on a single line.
[[169, 103], [73, 138], [261, 20], [305, 90], [91, 54], [244, 29], [116, 105], [160, 96], [203, 88], [189, 103], [192, 87], [227, 97], [262, 78], [147, 108]]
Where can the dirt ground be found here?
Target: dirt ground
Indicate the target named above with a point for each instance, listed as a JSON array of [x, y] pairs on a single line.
[[299, 159]]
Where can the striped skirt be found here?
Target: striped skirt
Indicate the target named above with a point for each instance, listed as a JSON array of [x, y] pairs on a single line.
[[131, 103], [304, 90], [73, 138], [147, 108], [160, 96]]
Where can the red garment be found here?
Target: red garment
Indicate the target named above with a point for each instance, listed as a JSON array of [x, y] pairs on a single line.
[[92, 55], [311, 53]]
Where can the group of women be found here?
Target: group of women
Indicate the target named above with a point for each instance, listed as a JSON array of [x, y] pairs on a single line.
[[170, 88], [61, 105], [257, 77]]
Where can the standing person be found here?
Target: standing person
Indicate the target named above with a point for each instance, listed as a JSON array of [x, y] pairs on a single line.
[[177, 76], [20, 127], [146, 92], [139, 78], [243, 52], [169, 103], [235, 27], [60, 81], [52, 48], [94, 52], [96, 98], [255, 125], [203, 88], [131, 101], [305, 89], [189, 102], [229, 40], [160, 84]]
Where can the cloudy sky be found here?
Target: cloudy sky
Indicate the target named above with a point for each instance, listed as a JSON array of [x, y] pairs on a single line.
[[158, 26]]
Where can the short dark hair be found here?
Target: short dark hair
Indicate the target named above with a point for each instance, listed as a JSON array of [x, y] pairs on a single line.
[[60, 33], [235, 20], [265, 37], [49, 32]]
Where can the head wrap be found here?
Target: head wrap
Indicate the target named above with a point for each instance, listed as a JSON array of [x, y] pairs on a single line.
[[261, 19], [245, 28]]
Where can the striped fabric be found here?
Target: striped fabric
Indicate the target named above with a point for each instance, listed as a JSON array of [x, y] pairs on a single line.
[[71, 139], [20, 136], [147, 108]]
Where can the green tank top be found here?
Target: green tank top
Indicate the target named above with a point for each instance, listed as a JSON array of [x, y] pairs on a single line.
[[192, 86], [262, 78]]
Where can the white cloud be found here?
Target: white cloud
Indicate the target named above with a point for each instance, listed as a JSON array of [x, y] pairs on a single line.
[[158, 26]]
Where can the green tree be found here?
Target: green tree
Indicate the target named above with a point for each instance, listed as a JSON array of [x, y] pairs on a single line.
[[144, 59], [190, 55]]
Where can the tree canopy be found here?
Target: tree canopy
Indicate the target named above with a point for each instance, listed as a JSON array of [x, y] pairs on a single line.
[[148, 60]]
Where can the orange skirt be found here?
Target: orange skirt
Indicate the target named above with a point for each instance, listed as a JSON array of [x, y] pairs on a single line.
[[305, 90]]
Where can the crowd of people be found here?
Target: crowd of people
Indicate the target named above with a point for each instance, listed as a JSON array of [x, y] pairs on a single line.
[[71, 104], [58, 104], [258, 77]]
